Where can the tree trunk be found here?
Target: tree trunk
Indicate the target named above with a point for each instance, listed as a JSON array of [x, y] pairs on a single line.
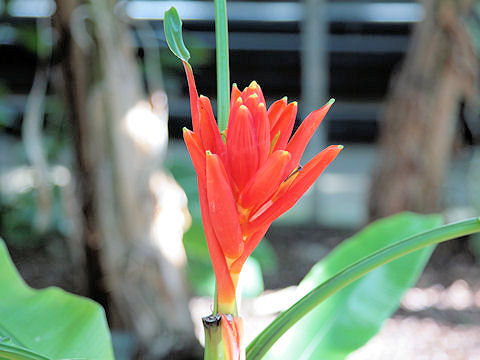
[[419, 119], [136, 212]]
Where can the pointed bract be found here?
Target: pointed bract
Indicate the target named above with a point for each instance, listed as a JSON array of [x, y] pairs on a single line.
[[296, 146], [230, 339], [192, 89], [211, 137], [284, 126], [302, 182], [196, 150], [266, 182], [242, 148], [222, 208], [262, 129], [225, 286], [274, 112]]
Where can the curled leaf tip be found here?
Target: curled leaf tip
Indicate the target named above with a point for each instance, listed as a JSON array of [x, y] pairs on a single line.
[[173, 33], [331, 101]]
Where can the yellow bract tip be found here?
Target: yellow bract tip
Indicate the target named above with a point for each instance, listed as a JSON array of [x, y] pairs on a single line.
[[340, 147], [253, 96], [253, 85]]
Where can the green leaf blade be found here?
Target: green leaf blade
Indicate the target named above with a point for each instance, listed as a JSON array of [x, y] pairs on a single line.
[[50, 322], [173, 33], [315, 337], [10, 351]]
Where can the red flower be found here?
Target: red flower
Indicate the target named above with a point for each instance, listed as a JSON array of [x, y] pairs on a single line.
[[249, 175]]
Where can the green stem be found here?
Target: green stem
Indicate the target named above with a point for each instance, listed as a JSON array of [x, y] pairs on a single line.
[[213, 338], [263, 342], [223, 72]]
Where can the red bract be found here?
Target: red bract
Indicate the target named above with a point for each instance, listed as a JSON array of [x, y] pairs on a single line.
[[249, 175]]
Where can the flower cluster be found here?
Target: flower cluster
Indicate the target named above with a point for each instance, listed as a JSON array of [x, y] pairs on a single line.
[[248, 175]]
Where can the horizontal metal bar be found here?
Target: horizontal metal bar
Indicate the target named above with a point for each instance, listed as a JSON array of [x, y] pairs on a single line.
[[261, 11], [348, 43], [179, 107], [349, 11]]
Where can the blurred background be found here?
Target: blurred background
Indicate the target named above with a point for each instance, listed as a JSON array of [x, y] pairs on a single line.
[[94, 175]]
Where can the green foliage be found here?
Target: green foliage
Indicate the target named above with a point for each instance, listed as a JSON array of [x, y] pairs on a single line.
[[17, 211], [10, 351], [349, 318], [173, 33], [48, 323], [6, 110]]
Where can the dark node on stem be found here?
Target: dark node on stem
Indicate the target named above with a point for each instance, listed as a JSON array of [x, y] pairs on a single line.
[[211, 320]]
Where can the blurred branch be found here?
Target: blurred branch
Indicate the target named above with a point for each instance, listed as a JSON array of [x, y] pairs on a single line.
[[421, 111], [134, 213], [32, 133]]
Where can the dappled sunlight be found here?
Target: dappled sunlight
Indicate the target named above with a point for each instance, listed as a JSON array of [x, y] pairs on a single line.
[[21, 179], [171, 218], [458, 296], [145, 127], [424, 339]]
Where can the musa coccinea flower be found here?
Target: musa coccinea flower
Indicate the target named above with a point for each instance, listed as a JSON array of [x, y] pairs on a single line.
[[248, 175]]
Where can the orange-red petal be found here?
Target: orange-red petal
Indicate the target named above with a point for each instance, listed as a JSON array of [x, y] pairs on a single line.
[[250, 245], [303, 180], [192, 89], [210, 134], [225, 286], [222, 208], [236, 93], [262, 129], [242, 149], [253, 88], [196, 150], [266, 181], [230, 339], [274, 112], [302, 136], [284, 126]]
